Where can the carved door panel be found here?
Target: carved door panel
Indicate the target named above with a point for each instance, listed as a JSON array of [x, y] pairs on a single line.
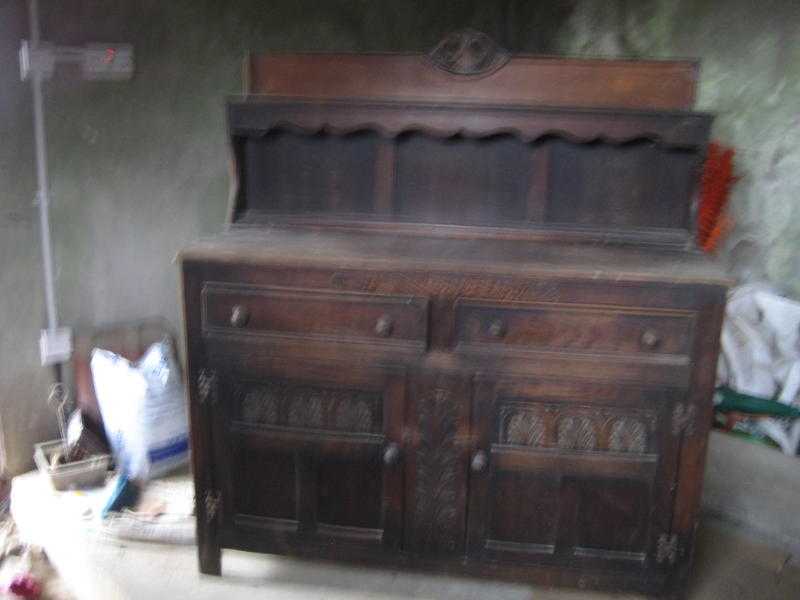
[[313, 454], [571, 473], [437, 426]]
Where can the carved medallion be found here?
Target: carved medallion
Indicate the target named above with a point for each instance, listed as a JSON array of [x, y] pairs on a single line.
[[354, 415], [260, 405], [468, 52], [521, 422], [305, 409], [282, 403], [576, 433], [524, 428], [628, 435]]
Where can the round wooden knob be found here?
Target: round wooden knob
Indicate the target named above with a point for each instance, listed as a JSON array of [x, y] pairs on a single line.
[[479, 461], [384, 326], [391, 455], [650, 338], [239, 316], [497, 328]]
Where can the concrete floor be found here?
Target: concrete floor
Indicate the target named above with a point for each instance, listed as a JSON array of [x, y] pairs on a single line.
[[754, 485], [730, 565]]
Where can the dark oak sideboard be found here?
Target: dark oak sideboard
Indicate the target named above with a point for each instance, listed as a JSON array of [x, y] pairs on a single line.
[[462, 333]]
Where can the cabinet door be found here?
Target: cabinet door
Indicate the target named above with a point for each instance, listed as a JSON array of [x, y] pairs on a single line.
[[312, 454], [575, 474]]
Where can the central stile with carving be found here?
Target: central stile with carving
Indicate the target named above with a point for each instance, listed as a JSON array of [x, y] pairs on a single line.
[[437, 473]]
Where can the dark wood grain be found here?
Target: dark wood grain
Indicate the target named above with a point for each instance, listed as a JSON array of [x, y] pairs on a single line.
[[587, 171], [570, 477], [546, 81], [451, 328], [303, 457], [436, 494], [632, 447], [282, 311], [201, 422], [520, 326]]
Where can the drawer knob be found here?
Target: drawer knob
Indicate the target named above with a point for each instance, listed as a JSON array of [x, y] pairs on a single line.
[[391, 455], [479, 461], [650, 339], [497, 328], [384, 326], [239, 316]]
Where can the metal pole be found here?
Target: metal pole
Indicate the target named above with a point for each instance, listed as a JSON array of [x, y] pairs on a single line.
[[43, 193]]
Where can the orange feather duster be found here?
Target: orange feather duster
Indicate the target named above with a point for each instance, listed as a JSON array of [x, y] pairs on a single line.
[[715, 188]]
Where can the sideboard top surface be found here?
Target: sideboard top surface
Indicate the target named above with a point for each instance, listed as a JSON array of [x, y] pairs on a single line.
[[375, 250]]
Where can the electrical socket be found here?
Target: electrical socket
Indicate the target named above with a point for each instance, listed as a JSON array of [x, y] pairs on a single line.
[[98, 62], [104, 62], [55, 345]]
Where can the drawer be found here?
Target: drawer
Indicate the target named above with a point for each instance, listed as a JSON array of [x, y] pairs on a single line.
[[319, 314], [573, 328]]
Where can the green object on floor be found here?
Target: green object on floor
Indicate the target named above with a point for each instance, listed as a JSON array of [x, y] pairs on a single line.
[[736, 402]]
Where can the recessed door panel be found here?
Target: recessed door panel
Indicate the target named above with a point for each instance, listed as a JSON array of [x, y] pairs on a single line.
[[612, 518], [524, 510], [350, 493], [265, 482]]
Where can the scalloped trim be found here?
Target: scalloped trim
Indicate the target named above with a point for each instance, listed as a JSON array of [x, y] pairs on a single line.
[[447, 133]]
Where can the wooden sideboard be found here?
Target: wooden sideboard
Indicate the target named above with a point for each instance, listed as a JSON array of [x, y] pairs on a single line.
[[457, 331]]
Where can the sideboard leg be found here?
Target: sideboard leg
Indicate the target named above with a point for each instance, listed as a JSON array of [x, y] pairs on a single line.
[[210, 557]]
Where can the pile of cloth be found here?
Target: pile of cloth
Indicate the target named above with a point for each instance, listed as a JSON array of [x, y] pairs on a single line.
[[758, 374], [25, 571]]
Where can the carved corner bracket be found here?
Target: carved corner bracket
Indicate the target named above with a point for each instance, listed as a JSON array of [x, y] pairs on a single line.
[[206, 383], [212, 501], [683, 416], [668, 549], [468, 52]]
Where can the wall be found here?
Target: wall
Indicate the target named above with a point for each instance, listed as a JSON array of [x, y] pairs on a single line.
[[23, 383], [138, 168], [750, 78]]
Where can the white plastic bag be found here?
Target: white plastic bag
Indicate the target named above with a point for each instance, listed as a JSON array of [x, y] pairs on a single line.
[[143, 409], [761, 355], [761, 344]]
